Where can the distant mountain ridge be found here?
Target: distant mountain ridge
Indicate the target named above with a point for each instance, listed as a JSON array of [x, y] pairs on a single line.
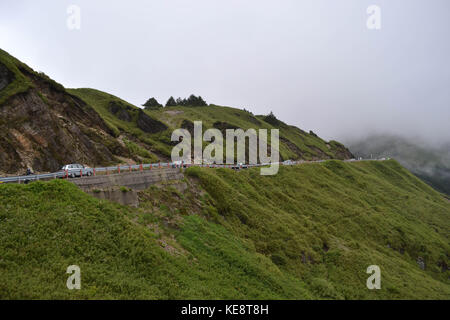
[[45, 126], [430, 163]]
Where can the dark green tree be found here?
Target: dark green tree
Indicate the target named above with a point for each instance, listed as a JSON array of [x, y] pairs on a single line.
[[201, 102], [312, 133], [270, 118], [152, 104], [181, 102], [171, 102], [194, 101]]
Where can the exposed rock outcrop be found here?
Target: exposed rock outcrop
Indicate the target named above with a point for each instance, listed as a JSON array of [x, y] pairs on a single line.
[[148, 124], [120, 111], [6, 76]]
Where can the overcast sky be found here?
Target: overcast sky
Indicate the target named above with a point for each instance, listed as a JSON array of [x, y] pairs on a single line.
[[314, 63]]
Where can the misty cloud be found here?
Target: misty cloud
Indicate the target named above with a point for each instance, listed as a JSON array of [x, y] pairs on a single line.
[[314, 63]]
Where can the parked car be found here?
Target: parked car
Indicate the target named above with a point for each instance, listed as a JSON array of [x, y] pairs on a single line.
[[288, 162], [77, 170], [239, 165], [179, 164]]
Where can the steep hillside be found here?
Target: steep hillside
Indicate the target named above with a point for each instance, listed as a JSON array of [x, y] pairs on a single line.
[[432, 164], [294, 142], [43, 126], [147, 138], [309, 232]]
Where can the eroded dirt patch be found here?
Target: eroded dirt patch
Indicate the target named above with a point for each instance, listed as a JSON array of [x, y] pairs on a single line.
[[173, 112]]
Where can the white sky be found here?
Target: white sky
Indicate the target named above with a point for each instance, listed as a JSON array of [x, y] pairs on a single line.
[[314, 63]]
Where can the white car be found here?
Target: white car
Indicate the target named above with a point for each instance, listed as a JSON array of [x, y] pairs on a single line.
[[77, 170]]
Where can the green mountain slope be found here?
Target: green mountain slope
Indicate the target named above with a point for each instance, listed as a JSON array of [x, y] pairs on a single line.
[[430, 163], [309, 232], [12, 80], [294, 142]]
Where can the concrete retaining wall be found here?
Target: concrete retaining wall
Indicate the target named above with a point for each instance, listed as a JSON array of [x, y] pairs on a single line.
[[134, 180], [108, 186]]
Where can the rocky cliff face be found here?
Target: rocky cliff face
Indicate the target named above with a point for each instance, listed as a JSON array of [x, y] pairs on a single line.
[[148, 124], [45, 127]]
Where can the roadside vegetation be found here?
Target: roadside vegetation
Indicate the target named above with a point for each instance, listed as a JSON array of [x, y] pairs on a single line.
[[309, 232]]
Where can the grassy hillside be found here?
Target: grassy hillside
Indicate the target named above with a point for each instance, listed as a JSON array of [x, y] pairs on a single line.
[[158, 144], [18, 77], [294, 142], [14, 82], [308, 232]]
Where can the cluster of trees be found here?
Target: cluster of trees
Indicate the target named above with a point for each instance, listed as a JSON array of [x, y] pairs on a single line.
[[270, 118], [192, 101]]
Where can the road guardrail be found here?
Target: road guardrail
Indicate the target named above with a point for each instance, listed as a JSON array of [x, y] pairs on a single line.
[[130, 168]]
